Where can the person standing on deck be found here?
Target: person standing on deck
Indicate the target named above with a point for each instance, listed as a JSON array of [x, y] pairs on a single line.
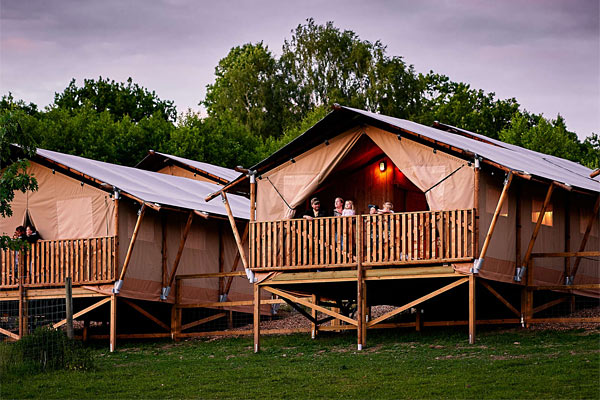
[[338, 207], [315, 211]]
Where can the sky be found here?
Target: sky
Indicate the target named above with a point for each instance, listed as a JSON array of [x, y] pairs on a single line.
[[545, 53]]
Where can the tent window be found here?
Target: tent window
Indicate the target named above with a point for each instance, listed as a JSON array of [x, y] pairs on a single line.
[[492, 195], [536, 208]]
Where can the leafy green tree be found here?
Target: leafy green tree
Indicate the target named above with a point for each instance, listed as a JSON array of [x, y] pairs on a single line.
[[217, 140], [325, 65], [250, 89], [13, 171], [457, 104], [118, 98], [96, 135], [590, 149], [537, 133]]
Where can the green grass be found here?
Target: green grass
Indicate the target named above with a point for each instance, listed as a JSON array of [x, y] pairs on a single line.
[[396, 364]]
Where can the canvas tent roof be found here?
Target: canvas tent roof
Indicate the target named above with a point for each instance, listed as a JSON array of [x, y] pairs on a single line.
[[509, 156], [152, 187], [155, 160]]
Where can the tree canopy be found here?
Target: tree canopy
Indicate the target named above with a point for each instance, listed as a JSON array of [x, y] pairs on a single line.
[[259, 102]]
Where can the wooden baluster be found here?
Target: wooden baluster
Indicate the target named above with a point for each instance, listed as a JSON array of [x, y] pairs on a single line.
[[447, 234], [465, 229], [269, 231], [453, 218], [459, 234]]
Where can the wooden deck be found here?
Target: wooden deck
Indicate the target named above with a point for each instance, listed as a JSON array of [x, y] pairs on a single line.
[[399, 239], [48, 262]]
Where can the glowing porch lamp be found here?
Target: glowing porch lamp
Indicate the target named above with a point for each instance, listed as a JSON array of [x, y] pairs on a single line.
[[382, 166]]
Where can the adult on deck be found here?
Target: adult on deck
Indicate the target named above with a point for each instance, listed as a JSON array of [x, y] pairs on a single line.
[[338, 207], [315, 210], [32, 235]]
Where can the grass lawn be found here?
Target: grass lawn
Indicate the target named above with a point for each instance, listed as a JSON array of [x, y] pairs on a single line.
[[396, 364]]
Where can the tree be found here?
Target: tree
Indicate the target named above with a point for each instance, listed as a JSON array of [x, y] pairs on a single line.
[[13, 172], [537, 133], [590, 149], [457, 104], [250, 89], [216, 140], [326, 66], [96, 135], [118, 98]]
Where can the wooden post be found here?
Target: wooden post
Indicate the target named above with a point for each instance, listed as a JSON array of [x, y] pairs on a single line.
[[419, 320], [186, 231], [538, 225], [488, 237], [518, 224], [221, 262], [313, 313], [236, 234], [117, 238], [163, 251], [86, 330], [252, 198], [22, 301], [365, 310], [69, 306], [529, 294], [472, 318], [113, 322], [567, 248], [132, 243], [476, 208], [236, 261], [360, 312], [586, 236], [256, 315]]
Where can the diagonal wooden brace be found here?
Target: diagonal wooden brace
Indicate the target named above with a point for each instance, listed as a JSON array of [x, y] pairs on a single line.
[[308, 304], [417, 301]]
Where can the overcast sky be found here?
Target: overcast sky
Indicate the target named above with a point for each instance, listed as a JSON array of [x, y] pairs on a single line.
[[544, 53]]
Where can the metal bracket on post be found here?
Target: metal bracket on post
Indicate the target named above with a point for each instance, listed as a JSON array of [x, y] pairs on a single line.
[[569, 280], [118, 286], [165, 293], [477, 266], [477, 162], [250, 275], [222, 298], [519, 273]]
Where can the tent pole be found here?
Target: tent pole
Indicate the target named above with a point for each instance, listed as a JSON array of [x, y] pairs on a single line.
[[236, 234], [252, 198], [536, 230], [138, 223], [221, 262], [256, 318], [586, 236], [186, 231], [472, 317], [360, 281], [486, 243], [117, 232], [163, 250], [476, 206], [236, 261], [113, 322]]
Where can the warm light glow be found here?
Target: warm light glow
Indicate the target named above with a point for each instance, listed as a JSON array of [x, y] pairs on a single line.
[[382, 166]]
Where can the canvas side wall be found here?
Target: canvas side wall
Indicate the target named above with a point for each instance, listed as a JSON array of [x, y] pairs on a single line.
[[558, 232], [200, 255], [62, 207]]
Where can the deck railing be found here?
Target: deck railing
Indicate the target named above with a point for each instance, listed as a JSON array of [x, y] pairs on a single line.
[[49, 262], [386, 239]]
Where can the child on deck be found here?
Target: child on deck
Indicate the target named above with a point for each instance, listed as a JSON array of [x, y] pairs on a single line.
[[348, 208]]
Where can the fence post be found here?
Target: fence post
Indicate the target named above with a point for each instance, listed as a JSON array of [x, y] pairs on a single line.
[[69, 306], [21, 276]]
